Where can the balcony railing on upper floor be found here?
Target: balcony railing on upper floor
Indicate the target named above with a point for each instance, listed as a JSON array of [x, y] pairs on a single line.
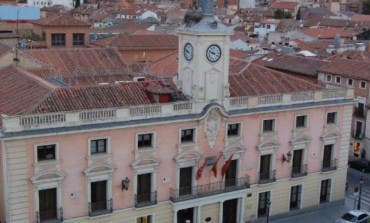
[[329, 165], [76, 118], [299, 171], [100, 207], [360, 113], [267, 176], [188, 193], [145, 199]]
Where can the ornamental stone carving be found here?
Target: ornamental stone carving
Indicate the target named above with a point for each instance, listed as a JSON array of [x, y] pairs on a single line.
[[212, 125]]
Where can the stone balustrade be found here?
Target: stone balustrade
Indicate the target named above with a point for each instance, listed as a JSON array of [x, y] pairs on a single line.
[[75, 118]]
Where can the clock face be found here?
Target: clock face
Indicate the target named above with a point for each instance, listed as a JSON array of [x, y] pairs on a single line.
[[213, 53], [188, 51]]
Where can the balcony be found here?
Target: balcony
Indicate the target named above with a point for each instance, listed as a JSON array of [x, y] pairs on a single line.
[[49, 216], [100, 207], [183, 194], [267, 177], [143, 200], [329, 165], [299, 171]]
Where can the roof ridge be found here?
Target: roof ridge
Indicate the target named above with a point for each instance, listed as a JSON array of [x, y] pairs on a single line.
[[37, 79]]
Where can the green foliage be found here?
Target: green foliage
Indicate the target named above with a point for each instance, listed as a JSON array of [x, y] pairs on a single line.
[[280, 14], [366, 7]]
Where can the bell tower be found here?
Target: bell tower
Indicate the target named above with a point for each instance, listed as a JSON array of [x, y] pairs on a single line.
[[204, 55]]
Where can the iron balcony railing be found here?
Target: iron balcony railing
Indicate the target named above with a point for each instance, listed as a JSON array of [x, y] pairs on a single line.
[[299, 170], [267, 177], [50, 216], [187, 193], [100, 207], [328, 165], [143, 200]]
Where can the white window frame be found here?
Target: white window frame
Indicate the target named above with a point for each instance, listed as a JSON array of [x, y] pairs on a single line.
[[108, 149], [333, 153], [273, 126], [301, 198], [100, 177], [272, 160], [153, 180], [44, 186], [257, 200], [336, 118], [193, 174], [362, 81], [195, 135], [330, 192], [154, 141], [240, 130], [306, 122], [46, 161], [327, 77], [348, 84], [336, 79]]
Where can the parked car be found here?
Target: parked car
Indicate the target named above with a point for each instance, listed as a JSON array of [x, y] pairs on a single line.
[[355, 216], [361, 164]]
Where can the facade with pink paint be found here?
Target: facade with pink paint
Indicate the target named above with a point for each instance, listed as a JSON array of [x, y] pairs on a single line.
[[247, 142]]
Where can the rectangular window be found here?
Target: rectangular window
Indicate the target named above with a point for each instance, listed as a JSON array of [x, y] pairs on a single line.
[[337, 80], [301, 121], [328, 78], [263, 202], [265, 167], [350, 82], [363, 84], [295, 197], [98, 196], [187, 135], [78, 39], [98, 146], [331, 118], [327, 160], [48, 205], [325, 191], [58, 39], [46, 152], [144, 182], [186, 183], [145, 219], [268, 125], [145, 140], [233, 129]]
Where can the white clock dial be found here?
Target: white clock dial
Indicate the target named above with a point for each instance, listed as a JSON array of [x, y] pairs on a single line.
[[213, 53], [188, 51]]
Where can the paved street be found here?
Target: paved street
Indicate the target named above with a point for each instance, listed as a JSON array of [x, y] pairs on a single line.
[[329, 214]]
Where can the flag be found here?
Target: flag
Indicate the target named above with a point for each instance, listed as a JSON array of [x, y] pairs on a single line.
[[200, 170], [226, 166], [214, 168]]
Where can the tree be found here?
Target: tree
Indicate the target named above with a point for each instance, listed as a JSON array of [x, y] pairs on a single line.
[[366, 7], [279, 14]]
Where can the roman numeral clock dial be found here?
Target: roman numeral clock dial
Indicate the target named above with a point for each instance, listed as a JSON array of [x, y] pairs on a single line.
[[213, 53]]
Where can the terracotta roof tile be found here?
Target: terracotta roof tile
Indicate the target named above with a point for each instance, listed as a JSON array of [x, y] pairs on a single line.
[[19, 92], [165, 66], [348, 68], [360, 18], [93, 97], [157, 41], [327, 33], [284, 5], [73, 62], [256, 80], [60, 20]]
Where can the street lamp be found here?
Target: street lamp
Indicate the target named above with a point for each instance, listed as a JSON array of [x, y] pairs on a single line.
[[359, 195], [268, 210]]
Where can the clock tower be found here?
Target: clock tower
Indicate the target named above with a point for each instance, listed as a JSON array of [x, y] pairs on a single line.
[[204, 56]]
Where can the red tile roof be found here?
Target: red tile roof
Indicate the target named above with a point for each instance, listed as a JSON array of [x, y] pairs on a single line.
[[360, 18], [19, 91], [327, 33], [284, 5], [132, 42], [256, 80], [60, 20], [165, 66], [348, 68], [92, 97], [74, 62]]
